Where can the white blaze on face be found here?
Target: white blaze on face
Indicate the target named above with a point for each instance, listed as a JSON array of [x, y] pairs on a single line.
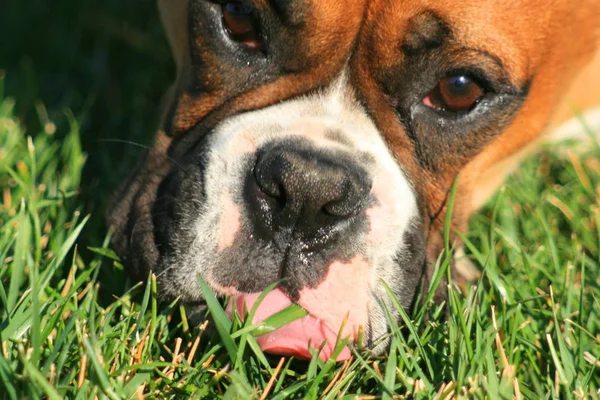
[[312, 118]]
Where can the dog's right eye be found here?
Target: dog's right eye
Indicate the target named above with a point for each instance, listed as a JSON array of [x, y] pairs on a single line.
[[241, 24]]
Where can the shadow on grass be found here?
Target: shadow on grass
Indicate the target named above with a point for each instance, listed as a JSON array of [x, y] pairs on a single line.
[[106, 61]]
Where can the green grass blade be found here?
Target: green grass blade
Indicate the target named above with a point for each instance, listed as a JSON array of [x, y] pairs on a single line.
[[220, 318], [103, 380], [390, 373], [40, 380], [21, 257]]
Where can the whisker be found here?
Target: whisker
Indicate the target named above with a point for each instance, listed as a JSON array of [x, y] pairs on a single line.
[[122, 141], [146, 147], [164, 271]]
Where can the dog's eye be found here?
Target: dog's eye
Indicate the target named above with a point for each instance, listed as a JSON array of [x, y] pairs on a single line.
[[241, 24], [457, 94]]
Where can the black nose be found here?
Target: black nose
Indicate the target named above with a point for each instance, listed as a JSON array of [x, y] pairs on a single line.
[[306, 189]]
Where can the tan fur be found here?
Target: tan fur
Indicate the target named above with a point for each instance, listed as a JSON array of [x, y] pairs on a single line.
[[580, 105], [583, 95]]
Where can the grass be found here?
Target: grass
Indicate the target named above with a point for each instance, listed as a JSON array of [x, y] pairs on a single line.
[[73, 326]]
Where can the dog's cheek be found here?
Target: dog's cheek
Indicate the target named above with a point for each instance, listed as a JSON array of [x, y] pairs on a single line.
[[134, 207], [129, 216], [401, 279]]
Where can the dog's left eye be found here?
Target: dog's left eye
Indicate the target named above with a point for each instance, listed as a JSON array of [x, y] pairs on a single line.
[[457, 94], [241, 24]]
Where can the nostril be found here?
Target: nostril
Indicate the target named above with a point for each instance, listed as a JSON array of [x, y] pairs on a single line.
[[271, 187], [277, 191], [270, 183], [266, 180], [349, 200]]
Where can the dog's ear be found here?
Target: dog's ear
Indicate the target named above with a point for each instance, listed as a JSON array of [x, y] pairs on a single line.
[[174, 15]]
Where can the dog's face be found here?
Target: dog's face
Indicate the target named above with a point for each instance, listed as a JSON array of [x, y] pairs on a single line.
[[314, 144]]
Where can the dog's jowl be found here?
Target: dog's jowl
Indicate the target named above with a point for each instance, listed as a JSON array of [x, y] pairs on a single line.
[[313, 144]]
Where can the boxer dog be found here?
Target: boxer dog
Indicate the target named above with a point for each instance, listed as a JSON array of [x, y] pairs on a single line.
[[314, 144]]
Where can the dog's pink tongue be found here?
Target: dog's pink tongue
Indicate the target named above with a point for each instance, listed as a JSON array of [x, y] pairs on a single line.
[[295, 338]]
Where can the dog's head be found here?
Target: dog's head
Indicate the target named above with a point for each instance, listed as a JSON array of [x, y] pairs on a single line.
[[314, 144]]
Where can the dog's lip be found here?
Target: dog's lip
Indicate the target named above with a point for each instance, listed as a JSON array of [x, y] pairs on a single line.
[[294, 339]]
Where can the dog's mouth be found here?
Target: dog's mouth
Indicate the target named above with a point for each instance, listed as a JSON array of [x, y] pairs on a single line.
[[338, 309], [296, 338]]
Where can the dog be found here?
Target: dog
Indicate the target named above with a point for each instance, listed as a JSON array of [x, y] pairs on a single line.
[[314, 145]]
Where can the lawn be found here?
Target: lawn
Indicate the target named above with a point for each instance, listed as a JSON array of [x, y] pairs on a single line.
[[78, 75]]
